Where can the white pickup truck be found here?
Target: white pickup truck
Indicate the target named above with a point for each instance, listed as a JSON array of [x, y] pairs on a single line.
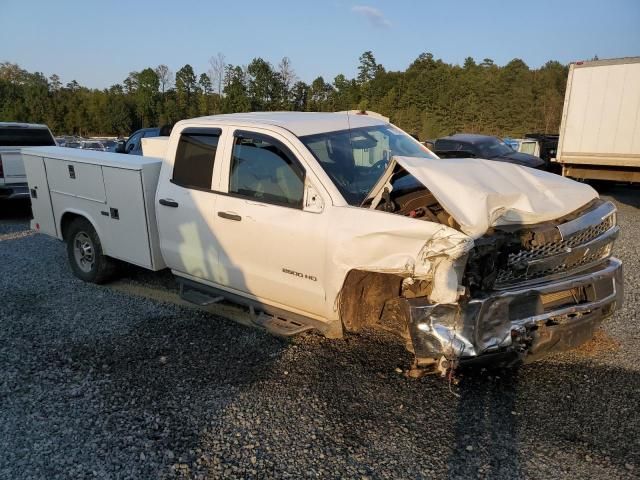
[[342, 222], [14, 136]]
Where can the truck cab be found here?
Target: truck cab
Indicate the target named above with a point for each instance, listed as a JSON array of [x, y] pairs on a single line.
[[243, 196]]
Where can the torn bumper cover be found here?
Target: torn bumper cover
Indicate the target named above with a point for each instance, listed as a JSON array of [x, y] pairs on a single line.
[[520, 324]]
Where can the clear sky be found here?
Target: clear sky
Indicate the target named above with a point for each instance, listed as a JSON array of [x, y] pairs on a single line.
[[98, 42]]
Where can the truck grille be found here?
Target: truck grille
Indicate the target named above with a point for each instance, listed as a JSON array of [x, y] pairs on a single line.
[[585, 241]]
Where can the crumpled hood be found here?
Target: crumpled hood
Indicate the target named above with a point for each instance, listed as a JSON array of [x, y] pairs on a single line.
[[480, 194]]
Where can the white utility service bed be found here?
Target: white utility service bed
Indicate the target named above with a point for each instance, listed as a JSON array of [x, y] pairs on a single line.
[[116, 192]]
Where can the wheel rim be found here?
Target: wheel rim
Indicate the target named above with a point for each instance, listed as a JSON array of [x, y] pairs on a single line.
[[83, 251]]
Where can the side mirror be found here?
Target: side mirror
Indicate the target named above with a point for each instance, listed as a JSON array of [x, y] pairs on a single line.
[[312, 200], [120, 146]]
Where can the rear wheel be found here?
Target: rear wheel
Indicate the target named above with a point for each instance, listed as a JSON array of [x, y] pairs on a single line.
[[84, 251]]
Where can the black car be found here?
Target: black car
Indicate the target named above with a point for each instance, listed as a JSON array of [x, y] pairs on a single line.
[[467, 145], [133, 145]]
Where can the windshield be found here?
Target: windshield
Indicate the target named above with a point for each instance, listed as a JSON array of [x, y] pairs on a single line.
[[493, 147], [355, 159]]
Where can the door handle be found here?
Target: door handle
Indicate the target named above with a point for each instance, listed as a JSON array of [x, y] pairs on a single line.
[[167, 202], [230, 216]]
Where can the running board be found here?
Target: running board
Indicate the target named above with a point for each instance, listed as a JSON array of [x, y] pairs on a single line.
[[279, 326], [275, 321], [197, 296]]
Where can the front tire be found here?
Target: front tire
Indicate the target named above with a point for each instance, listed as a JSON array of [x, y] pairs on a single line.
[[85, 254]]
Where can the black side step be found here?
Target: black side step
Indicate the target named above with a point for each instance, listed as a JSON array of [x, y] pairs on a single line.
[[197, 296], [279, 326], [275, 321]]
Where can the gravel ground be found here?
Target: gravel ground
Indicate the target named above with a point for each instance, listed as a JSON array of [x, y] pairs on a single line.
[[96, 382]]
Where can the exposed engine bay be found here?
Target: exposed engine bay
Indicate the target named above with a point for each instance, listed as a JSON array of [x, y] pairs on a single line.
[[414, 201]]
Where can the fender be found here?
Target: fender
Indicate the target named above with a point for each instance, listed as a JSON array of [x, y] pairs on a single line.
[[86, 215]]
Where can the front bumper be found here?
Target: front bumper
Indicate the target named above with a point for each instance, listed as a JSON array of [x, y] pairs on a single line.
[[14, 191], [520, 324]]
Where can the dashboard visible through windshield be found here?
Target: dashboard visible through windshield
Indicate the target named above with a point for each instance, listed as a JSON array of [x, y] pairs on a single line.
[[355, 159]]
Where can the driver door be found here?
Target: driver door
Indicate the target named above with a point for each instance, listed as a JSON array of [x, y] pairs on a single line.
[[271, 246]]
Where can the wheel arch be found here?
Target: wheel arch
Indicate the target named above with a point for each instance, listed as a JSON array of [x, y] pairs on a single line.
[[363, 295], [69, 215]]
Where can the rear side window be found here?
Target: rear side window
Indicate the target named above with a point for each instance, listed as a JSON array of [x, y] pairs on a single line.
[[265, 170], [25, 137], [193, 167]]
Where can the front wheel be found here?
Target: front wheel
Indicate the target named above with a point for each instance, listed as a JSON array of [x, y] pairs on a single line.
[[84, 251]]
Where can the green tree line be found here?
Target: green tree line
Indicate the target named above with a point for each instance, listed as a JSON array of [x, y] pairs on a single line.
[[430, 98]]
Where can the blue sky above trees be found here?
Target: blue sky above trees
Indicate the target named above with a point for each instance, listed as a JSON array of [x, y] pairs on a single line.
[[99, 43]]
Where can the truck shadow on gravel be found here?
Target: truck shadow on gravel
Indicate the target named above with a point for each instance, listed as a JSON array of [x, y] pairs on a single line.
[[494, 428], [197, 391], [506, 418], [14, 215], [168, 378]]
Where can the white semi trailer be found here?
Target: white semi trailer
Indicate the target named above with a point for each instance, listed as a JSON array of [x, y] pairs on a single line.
[[600, 129]]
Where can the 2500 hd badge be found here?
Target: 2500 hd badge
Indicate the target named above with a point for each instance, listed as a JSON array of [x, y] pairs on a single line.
[[300, 275]]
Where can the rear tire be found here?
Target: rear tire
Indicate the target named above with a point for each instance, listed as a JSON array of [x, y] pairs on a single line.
[[85, 254]]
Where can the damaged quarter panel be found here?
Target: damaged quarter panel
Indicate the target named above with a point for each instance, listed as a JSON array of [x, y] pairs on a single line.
[[375, 241]]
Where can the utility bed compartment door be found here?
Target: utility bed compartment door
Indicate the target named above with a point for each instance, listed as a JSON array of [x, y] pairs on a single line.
[[43, 220], [126, 233], [76, 179]]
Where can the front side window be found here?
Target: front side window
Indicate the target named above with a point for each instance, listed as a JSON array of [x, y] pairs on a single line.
[[195, 156], [265, 170], [355, 159]]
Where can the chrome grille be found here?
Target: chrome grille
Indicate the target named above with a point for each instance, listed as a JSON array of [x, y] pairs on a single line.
[[588, 244]]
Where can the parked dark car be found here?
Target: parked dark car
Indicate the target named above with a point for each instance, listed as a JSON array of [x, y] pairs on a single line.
[[467, 145], [109, 145], [133, 145]]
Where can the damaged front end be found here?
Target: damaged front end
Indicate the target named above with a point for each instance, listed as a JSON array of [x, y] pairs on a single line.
[[526, 292]]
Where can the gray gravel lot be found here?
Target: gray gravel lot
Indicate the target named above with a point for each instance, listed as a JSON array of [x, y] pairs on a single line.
[[100, 383]]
